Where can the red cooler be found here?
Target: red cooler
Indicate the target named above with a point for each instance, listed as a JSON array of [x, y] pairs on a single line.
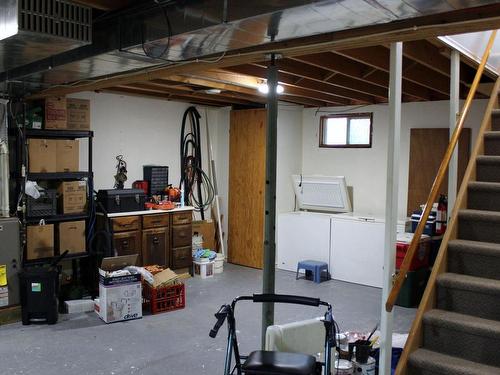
[[421, 258]]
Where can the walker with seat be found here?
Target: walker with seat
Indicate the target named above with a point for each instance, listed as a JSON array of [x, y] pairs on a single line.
[[261, 362]]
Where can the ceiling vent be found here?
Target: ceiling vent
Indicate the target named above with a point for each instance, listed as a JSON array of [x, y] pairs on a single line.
[[31, 30]]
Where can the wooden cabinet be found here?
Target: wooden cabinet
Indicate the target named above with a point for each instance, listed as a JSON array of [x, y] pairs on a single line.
[[155, 246], [182, 234], [128, 243], [158, 238]]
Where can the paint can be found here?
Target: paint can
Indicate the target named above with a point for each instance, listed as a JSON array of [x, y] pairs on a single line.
[[367, 368], [343, 367]]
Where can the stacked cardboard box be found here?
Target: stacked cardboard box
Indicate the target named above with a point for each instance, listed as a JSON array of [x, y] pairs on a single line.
[[66, 113]]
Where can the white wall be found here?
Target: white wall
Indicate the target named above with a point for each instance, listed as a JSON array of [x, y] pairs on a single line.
[[365, 169], [143, 130]]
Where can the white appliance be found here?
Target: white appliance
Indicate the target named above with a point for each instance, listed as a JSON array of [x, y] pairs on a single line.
[[321, 193], [351, 244], [301, 236]]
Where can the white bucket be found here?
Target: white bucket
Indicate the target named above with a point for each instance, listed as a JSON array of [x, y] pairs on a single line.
[[219, 263], [343, 367], [367, 368], [203, 269]]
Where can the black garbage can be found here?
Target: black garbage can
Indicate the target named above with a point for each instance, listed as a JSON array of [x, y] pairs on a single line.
[[39, 290]]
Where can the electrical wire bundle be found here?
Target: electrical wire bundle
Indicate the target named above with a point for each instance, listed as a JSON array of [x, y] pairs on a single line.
[[198, 189]]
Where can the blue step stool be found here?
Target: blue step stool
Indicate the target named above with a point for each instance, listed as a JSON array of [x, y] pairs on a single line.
[[315, 267]]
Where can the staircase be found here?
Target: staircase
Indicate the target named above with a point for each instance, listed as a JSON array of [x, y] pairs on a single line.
[[457, 328]]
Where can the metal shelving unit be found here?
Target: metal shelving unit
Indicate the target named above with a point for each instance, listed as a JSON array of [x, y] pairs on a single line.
[[88, 175]]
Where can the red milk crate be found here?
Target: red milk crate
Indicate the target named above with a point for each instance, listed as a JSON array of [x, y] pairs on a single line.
[[168, 298], [421, 258]]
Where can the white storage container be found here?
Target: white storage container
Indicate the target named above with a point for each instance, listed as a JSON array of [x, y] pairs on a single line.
[[203, 269]]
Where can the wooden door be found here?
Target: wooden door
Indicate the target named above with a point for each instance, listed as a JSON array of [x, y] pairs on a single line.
[[247, 173], [427, 148]]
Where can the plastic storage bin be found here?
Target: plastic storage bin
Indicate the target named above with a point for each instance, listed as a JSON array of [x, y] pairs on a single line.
[[45, 205], [203, 269]]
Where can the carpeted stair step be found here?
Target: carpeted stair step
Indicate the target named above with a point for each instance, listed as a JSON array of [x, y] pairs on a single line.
[[483, 196], [462, 336], [479, 225], [470, 295], [492, 143], [427, 362], [488, 168], [473, 258], [495, 120]]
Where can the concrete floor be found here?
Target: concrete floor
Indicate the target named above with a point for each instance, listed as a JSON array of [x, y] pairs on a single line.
[[177, 342]]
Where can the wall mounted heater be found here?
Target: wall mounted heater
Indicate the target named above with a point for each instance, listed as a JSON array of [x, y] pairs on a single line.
[[322, 193]]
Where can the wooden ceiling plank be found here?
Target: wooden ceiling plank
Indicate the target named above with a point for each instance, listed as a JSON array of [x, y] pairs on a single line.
[[314, 89], [361, 72], [304, 70], [378, 57]]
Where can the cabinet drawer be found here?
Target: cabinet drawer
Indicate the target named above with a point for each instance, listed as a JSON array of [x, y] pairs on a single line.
[[124, 223], [181, 235], [155, 246], [128, 243], [155, 221], [182, 218], [182, 257]]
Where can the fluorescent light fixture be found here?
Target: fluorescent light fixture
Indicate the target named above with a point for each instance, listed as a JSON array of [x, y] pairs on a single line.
[[264, 89]]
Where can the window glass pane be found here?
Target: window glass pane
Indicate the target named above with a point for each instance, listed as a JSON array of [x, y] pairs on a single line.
[[359, 131], [336, 131]]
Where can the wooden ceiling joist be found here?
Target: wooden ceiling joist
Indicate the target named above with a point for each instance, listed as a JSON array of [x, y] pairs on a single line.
[[360, 72], [378, 57]]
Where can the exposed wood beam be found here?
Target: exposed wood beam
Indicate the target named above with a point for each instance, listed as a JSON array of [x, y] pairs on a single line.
[[194, 94], [303, 70], [153, 95], [361, 72], [306, 88], [467, 20]]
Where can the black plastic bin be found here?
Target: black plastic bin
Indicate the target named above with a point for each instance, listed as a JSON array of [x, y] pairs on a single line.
[[39, 290]]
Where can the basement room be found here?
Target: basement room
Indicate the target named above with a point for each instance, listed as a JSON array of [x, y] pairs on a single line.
[[266, 187]]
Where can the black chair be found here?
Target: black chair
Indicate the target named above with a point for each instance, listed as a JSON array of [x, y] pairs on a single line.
[[262, 362]]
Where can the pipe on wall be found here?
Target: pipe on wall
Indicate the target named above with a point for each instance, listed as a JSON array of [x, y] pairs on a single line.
[[4, 160]]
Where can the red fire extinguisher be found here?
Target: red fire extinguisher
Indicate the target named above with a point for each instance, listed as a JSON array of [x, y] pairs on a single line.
[[442, 215]]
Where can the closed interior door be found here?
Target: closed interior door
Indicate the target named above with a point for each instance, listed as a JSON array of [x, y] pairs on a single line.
[[247, 168], [427, 148]]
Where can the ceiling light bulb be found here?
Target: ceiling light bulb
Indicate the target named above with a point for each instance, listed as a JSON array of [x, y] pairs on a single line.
[[263, 88]]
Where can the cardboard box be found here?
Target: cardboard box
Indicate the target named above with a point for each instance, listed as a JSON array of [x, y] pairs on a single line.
[[42, 155], [205, 228], [73, 197], [72, 237], [67, 155], [120, 297], [55, 113], [78, 111], [40, 241]]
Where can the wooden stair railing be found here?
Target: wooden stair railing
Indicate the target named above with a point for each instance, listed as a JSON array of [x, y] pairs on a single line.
[[428, 302], [401, 276]]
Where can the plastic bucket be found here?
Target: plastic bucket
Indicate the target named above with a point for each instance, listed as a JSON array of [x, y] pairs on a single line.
[[219, 263], [343, 367]]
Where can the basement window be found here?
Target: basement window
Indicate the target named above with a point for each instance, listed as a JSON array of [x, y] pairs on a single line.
[[346, 130]]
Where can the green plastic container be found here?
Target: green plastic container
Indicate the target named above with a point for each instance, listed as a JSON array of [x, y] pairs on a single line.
[[413, 288]]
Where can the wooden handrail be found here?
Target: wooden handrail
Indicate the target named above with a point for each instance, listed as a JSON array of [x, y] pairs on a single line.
[[400, 277]]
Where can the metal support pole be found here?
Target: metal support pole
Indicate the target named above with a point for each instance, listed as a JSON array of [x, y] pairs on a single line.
[[454, 113], [391, 210], [270, 198]]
